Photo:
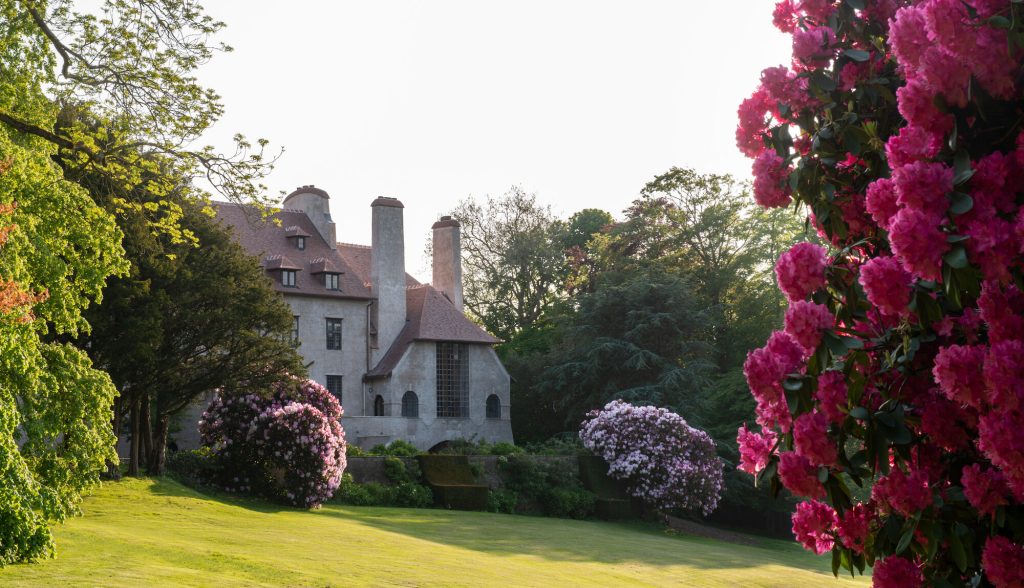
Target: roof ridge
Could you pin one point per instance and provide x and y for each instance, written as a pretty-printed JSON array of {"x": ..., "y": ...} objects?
[{"x": 354, "y": 245}]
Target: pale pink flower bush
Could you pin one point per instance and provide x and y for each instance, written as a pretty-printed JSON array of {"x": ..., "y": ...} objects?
[
  {"x": 287, "y": 445},
  {"x": 664, "y": 461},
  {"x": 897, "y": 127}
]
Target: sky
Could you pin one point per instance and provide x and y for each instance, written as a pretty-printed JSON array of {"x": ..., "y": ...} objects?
[{"x": 433, "y": 101}]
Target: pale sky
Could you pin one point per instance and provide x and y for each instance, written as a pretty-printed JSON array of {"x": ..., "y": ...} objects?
[{"x": 430, "y": 101}]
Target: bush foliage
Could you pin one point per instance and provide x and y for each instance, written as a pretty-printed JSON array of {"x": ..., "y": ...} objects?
[{"x": 900, "y": 367}]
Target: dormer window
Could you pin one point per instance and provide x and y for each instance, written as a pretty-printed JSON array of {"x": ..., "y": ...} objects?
[
  {"x": 288, "y": 278},
  {"x": 300, "y": 243},
  {"x": 331, "y": 281}
]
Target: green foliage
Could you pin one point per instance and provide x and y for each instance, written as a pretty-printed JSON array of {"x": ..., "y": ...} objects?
[
  {"x": 397, "y": 448},
  {"x": 195, "y": 467},
  {"x": 503, "y": 501},
  {"x": 404, "y": 494},
  {"x": 468, "y": 447},
  {"x": 564, "y": 444},
  {"x": 513, "y": 261},
  {"x": 642, "y": 338},
  {"x": 400, "y": 471},
  {"x": 59, "y": 250},
  {"x": 548, "y": 486}
]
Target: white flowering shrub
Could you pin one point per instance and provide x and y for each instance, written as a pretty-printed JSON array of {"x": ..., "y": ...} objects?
[
  {"x": 288, "y": 446},
  {"x": 664, "y": 461}
]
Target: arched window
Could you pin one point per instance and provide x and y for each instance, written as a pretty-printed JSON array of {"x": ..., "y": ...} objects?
[
  {"x": 493, "y": 407},
  {"x": 410, "y": 405},
  {"x": 378, "y": 406}
]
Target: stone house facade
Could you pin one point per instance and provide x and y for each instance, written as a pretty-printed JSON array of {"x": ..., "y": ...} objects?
[{"x": 401, "y": 356}]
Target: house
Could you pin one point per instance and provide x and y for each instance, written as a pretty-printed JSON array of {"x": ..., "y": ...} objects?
[{"x": 402, "y": 356}]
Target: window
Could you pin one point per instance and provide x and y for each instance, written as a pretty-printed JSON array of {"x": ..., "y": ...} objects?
[
  {"x": 334, "y": 333},
  {"x": 288, "y": 278},
  {"x": 334, "y": 386},
  {"x": 378, "y": 406},
  {"x": 493, "y": 407},
  {"x": 410, "y": 405},
  {"x": 331, "y": 281},
  {"x": 452, "y": 381},
  {"x": 300, "y": 243},
  {"x": 295, "y": 332}
]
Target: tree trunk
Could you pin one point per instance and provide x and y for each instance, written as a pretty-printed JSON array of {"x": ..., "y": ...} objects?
[
  {"x": 159, "y": 455},
  {"x": 146, "y": 430},
  {"x": 133, "y": 463},
  {"x": 113, "y": 466}
]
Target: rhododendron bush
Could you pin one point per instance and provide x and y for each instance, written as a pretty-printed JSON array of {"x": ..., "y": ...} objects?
[
  {"x": 664, "y": 461},
  {"x": 897, "y": 127},
  {"x": 287, "y": 445}
]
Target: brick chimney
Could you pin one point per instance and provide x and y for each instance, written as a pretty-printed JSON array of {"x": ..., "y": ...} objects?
[
  {"x": 447, "y": 261},
  {"x": 387, "y": 272},
  {"x": 317, "y": 205}
]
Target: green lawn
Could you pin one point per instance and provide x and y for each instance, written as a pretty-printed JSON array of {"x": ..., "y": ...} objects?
[{"x": 157, "y": 532}]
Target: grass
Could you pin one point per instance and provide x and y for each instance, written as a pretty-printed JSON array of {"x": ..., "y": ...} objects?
[{"x": 159, "y": 533}]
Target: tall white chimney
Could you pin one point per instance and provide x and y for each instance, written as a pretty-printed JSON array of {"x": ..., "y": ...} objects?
[
  {"x": 447, "y": 261},
  {"x": 317, "y": 205},
  {"x": 387, "y": 272}
]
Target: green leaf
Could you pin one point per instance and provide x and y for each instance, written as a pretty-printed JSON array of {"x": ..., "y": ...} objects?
[
  {"x": 999, "y": 22},
  {"x": 858, "y": 4},
  {"x": 956, "y": 258},
  {"x": 956, "y": 550},
  {"x": 959, "y": 203},
  {"x": 857, "y": 54},
  {"x": 905, "y": 539},
  {"x": 956, "y": 239},
  {"x": 836, "y": 559},
  {"x": 860, "y": 413}
]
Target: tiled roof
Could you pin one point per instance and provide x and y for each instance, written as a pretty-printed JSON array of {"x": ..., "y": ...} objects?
[
  {"x": 268, "y": 241},
  {"x": 358, "y": 258},
  {"x": 431, "y": 317},
  {"x": 295, "y": 231},
  {"x": 323, "y": 265}
]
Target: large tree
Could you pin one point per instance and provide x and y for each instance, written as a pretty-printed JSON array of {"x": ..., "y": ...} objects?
[
  {"x": 132, "y": 70},
  {"x": 188, "y": 319},
  {"x": 513, "y": 259}
]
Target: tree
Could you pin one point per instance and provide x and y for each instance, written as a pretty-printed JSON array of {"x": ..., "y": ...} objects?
[
  {"x": 641, "y": 338},
  {"x": 899, "y": 369},
  {"x": 56, "y": 251},
  {"x": 513, "y": 261},
  {"x": 188, "y": 319}
]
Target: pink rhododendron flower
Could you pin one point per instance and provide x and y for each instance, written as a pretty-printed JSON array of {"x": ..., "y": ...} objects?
[
  {"x": 755, "y": 449},
  {"x": 811, "y": 440},
  {"x": 832, "y": 395},
  {"x": 923, "y": 186},
  {"x": 902, "y": 493},
  {"x": 771, "y": 188},
  {"x": 912, "y": 144},
  {"x": 1004, "y": 374},
  {"x": 1001, "y": 439},
  {"x": 801, "y": 270},
  {"x": 1001, "y": 309},
  {"x": 918, "y": 243},
  {"x": 813, "y": 46},
  {"x": 896, "y": 572},
  {"x": 880, "y": 201},
  {"x": 939, "y": 422},
  {"x": 854, "y": 527},
  {"x": 908, "y": 36},
  {"x": 752, "y": 126},
  {"x": 1003, "y": 562},
  {"x": 915, "y": 104},
  {"x": 799, "y": 476},
  {"x": 887, "y": 285},
  {"x": 784, "y": 16},
  {"x": 985, "y": 489},
  {"x": 958, "y": 372},
  {"x": 805, "y": 321},
  {"x": 813, "y": 523}
]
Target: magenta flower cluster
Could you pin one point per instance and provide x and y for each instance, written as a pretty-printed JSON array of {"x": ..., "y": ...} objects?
[
  {"x": 898, "y": 125},
  {"x": 664, "y": 461},
  {"x": 287, "y": 445}
]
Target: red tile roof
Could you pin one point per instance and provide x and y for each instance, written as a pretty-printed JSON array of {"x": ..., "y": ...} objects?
[
  {"x": 432, "y": 317},
  {"x": 269, "y": 242}
]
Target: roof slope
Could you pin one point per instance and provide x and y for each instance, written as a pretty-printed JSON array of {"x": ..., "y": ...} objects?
[
  {"x": 270, "y": 242},
  {"x": 431, "y": 317},
  {"x": 358, "y": 258}
]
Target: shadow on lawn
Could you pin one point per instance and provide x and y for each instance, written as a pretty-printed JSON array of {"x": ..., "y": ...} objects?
[{"x": 550, "y": 539}]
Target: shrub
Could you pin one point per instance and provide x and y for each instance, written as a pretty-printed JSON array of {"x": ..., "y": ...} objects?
[
  {"x": 287, "y": 445},
  {"x": 405, "y": 494},
  {"x": 664, "y": 461},
  {"x": 396, "y": 448},
  {"x": 568, "y": 503},
  {"x": 900, "y": 365},
  {"x": 551, "y": 487},
  {"x": 196, "y": 467},
  {"x": 399, "y": 471},
  {"x": 503, "y": 501}
]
